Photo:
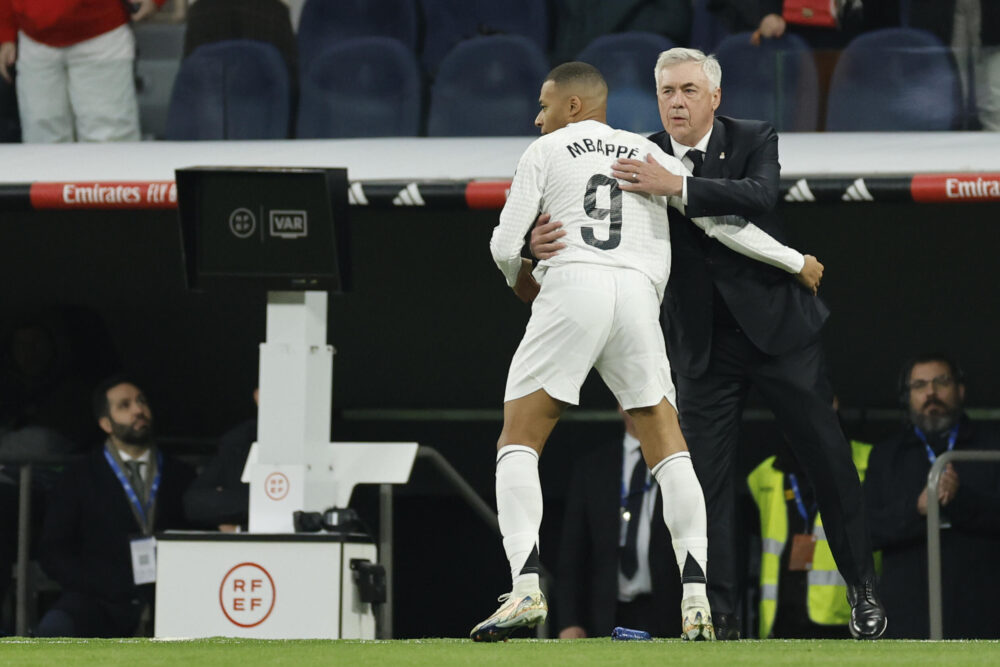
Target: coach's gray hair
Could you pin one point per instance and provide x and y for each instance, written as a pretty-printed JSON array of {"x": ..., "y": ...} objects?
[{"x": 709, "y": 65}]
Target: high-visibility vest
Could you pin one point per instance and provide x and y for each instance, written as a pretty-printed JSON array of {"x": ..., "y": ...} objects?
[{"x": 827, "y": 592}]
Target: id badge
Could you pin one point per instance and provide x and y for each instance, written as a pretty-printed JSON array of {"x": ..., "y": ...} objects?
[
  {"x": 143, "y": 560},
  {"x": 801, "y": 558}
]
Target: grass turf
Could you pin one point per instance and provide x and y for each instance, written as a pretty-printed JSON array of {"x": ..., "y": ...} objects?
[{"x": 244, "y": 652}]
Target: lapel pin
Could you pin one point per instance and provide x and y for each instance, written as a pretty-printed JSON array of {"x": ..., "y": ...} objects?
[{"x": 722, "y": 155}]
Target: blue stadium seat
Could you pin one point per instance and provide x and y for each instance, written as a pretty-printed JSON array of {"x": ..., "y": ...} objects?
[
  {"x": 896, "y": 79},
  {"x": 775, "y": 81},
  {"x": 448, "y": 22},
  {"x": 707, "y": 30},
  {"x": 325, "y": 22},
  {"x": 364, "y": 87},
  {"x": 488, "y": 86},
  {"x": 627, "y": 61},
  {"x": 634, "y": 109},
  {"x": 235, "y": 89}
]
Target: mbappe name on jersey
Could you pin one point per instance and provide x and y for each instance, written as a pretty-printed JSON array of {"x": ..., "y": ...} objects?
[{"x": 578, "y": 148}]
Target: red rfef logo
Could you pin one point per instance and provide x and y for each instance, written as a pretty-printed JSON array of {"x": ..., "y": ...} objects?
[
  {"x": 247, "y": 595},
  {"x": 276, "y": 486}
]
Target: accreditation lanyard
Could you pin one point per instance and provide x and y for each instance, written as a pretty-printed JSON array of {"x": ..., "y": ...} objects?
[
  {"x": 931, "y": 456},
  {"x": 142, "y": 511},
  {"x": 796, "y": 491}
]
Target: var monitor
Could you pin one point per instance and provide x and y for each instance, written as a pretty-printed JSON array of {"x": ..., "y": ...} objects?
[{"x": 276, "y": 228}]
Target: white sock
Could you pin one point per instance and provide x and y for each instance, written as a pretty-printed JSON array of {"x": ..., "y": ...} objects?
[
  {"x": 684, "y": 514},
  {"x": 519, "y": 510}
]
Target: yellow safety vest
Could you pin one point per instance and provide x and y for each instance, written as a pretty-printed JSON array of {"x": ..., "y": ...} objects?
[{"x": 827, "y": 592}]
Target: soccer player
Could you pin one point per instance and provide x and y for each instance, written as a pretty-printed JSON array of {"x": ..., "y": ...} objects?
[{"x": 598, "y": 306}]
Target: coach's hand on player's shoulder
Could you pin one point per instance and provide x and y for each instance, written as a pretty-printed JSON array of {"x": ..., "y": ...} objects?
[
  {"x": 811, "y": 274},
  {"x": 526, "y": 288},
  {"x": 545, "y": 237},
  {"x": 573, "y": 632},
  {"x": 648, "y": 176}
]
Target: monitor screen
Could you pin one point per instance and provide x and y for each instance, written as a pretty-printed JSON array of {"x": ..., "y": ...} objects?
[{"x": 279, "y": 228}]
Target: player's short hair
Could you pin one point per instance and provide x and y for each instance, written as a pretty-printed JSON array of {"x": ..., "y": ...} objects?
[
  {"x": 709, "y": 64},
  {"x": 577, "y": 72}
]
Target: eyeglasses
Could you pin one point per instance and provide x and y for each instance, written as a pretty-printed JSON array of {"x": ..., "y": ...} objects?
[{"x": 940, "y": 382}]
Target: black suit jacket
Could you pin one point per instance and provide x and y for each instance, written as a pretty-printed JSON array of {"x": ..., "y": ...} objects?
[
  {"x": 89, "y": 523},
  {"x": 587, "y": 578},
  {"x": 740, "y": 176}
]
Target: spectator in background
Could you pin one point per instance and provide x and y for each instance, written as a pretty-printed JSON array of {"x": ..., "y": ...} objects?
[
  {"x": 802, "y": 596},
  {"x": 770, "y": 19},
  {"x": 75, "y": 67},
  {"x": 100, "y": 517},
  {"x": 972, "y": 28},
  {"x": 47, "y": 357},
  {"x": 616, "y": 564},
  {"x": 219, "y": 498},
  {"x": 579, "y": 22},
  {"x": 932, "y": 390}
]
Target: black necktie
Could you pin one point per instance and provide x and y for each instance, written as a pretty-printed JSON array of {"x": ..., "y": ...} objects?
[
  {"x": 697, "y": 158},
  {"x": 633, "y": 505},
  {"x": 136, "y": 480}
]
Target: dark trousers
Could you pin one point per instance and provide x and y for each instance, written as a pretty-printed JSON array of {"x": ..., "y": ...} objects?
[
  {"x": 80, "y": 615},
  {"x": 795, "y": 386}
]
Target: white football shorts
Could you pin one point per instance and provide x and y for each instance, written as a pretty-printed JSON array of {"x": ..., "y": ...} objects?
[{"x": 589, "y": 316}]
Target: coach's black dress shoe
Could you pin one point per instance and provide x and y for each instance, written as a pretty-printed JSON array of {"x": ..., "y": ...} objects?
[
  {"x": 867, "y": 613},
  {"x": 727, "y": 627}
]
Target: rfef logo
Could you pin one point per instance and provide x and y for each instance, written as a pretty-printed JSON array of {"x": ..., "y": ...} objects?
[
  {"x": 276, "y": 486},
  {"x": 289, "y": 224},
  {"x": 247, "y": 595}
]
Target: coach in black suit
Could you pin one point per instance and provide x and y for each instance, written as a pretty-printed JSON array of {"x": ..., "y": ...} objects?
[
  {"x": 732, "y": 323},
  {"x": 93, "y": 517},
  {"x": 593, "y": 594}
]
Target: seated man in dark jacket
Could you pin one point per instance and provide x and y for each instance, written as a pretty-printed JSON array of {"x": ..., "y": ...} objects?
[
  {"x": 96, "y": 538},
  {"x": 933, "y": 391}
]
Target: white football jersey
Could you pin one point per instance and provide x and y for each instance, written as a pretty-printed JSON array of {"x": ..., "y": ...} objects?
[{"x": 567, "y": 173}]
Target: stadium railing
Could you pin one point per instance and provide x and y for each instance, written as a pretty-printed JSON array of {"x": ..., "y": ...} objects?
[
  {"x": 934, "y": 531},
  {"x": 468, "y": 494}
]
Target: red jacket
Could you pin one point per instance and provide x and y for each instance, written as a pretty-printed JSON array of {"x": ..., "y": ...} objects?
[{"x": 61, "y": 22}]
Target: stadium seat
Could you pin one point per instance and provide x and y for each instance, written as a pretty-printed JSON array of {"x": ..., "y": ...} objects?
[
  {"x": 325, "y": 22},
  {"x": 775, "y": 81},
  {"x": 488, "y": 86},
  {"x": 706, "y": 29},
  {"x": 448, "y": 22},
  {"x": 159, "y": 49},
  {"x": 236, "y": 89},
  {"x": 895, "y": 79},
  {"x": 627, "y": 61},
  {"x": 364, "y": 87}
]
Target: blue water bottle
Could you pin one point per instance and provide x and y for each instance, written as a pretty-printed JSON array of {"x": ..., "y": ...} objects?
[{"x": 630, "y": 635}]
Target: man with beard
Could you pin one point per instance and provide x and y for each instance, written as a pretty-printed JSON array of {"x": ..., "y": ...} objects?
[
  {"x": 932, "y": 390},
  {"x": 96, "y": 540}
]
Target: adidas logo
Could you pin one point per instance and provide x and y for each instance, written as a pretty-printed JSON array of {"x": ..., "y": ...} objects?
[
  {"x": 800, "y": 192},
  {"x": 408, "y": 196},
  {"x": 858, "y": 191}
]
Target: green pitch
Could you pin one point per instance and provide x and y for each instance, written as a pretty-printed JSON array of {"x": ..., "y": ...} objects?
[{"x": 245, "y": 652}]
